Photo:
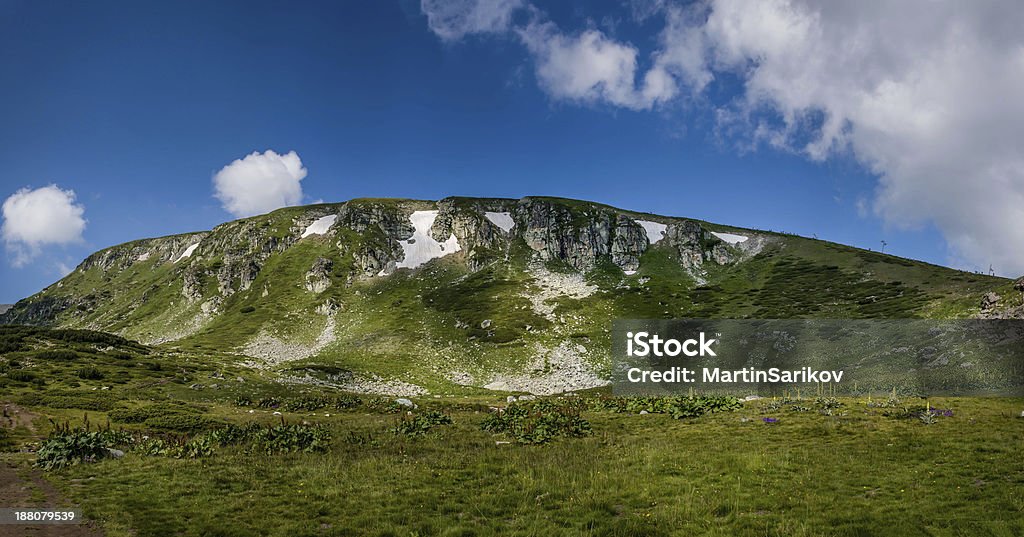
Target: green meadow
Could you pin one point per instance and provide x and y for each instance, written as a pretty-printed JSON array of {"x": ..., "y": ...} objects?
[{"x": 210, "y": 449}]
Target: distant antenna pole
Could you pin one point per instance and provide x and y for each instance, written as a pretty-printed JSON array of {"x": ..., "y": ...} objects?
[
  {"x": 884, "y": 244},
  {"x": 991, "y": 271}
]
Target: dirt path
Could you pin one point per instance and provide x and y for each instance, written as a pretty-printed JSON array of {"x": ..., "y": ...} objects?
[{"x": 24, "y": 486}]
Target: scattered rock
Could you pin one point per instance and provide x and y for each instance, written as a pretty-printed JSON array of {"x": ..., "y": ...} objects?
[
  {"x": 989, "y": 301},
  {"x": 644, "y": 412},
  {"x": 405, "y": 402},
  {"x": 115, "y": 453}
]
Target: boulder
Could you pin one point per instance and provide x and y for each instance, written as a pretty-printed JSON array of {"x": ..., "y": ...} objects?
[{"x": 405, "y": 402}]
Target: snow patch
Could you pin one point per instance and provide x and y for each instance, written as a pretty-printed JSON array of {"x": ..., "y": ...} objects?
[
  {"x": 502, "y": 220},
  {"x": 188, "y": 252},
  {"x": 655, "y": 231},
  {"x": 422, "y": 247},
  {"x": 629, "y": 272},
  {"x": 320, "y": 226},
  {"x": 730, "y": 238}
]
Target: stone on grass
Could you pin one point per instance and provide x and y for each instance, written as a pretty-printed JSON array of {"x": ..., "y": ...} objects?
[{"x": 405, "y": 402}]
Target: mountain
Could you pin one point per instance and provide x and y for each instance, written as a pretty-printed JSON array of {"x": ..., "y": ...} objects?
[
  {"x": 407, "y": 296},
  {"x": 5, "y": 307}
]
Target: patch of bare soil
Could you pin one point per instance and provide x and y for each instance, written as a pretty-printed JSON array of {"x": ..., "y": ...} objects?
[{"x": 24, "y": 486}]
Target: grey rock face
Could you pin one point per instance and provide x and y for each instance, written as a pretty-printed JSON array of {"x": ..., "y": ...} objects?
[
  {"x": 629, "y": 241},
  {"x": 580, "y": 237},
  {"x": 687, "y": 239},
  {"x": 192, "y": 284},
  {"x": 382, "y": 227},
  {"x": 40, "y": 311},
  {"x": 318, "y": 279}
]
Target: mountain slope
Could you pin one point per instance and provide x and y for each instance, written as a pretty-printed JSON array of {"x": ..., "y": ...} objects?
[{"x": 403, "y": 295}]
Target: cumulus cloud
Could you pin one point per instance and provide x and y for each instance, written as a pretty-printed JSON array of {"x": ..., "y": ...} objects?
[
  {"x": 925, "y": 94},
  {"x": 37, "y": 218},
  {"x": 452, "y": 20},
  {"x": 260, "y": 183},
  {"x": 591, "y": 68}
]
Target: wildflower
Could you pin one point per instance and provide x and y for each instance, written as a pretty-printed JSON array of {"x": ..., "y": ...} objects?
[{"x": 771, "y": 420}]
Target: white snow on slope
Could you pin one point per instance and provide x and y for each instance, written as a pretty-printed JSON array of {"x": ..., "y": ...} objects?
[
  {"x": 188, "y": 252},
  {"x": 320, "y": 226},
  {"x": 502, "y": 220},
  {"x": 422, "y": 247},
  {"x": 730, "y": 238},
  {"x": 655, "y": 231}
]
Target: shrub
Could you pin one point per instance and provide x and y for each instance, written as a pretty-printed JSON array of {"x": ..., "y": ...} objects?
[
  {"x": 66, "y": 446},
  {"x": 420, "y": 424},
  {"x": 71, "y": 447},
  {"x": 90, "y": 373},
  {"x": 269, "y": 402},
  {"x": 243, "y": 400},
  {"x": 291, "y": 438},
  {"x": 21, "y": 375},
  {"x": 6, "y": 442},
  {"x": 247, "y": 309},
  {"x": 59, "y": 355},
  {"x": 677, "y": 406},
  {"x": 539, "y": 424},
  {"x": 308, "y": 403}
]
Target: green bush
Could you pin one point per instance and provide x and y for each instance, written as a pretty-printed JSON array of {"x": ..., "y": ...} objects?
[
  {"x": 291, "y": 438},
  {"x": 90, "y": 373},
  {"x": 420, "y": 424},
  {"x": 66, "y": 446},
  {"x": 21, "y": 375},
  {"x": 247, "y": 309},
  {"x": 6, "y": 442},
  {"x": 677, "y": 406},
  {"x": 59, "y": 355},
  {"x": 539, "y": 423}
]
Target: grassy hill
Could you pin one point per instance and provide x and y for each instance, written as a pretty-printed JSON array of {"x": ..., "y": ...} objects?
[{"x": 511, "y": 308}]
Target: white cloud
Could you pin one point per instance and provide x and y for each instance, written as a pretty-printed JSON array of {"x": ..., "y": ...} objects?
[
  {"x": 260, "y": 183},
  {"x": 925, "y": 94},
  {"x": 591, "y": 68},
  {"x": 40, "y": 217},
  {"x": 588, "y": 67},
  {"x": 452, "y": 20}
]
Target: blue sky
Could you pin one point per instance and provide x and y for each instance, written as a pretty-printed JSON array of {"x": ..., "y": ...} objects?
[{"x": 135, "y": 106}]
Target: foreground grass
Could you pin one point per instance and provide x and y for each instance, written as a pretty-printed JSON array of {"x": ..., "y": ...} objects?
[{"x": 861, "y": 473}]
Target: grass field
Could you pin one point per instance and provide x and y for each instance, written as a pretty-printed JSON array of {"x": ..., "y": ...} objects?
[
  {"x": 772, "y": 467},
  {"x": 215, "y": 449}
]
